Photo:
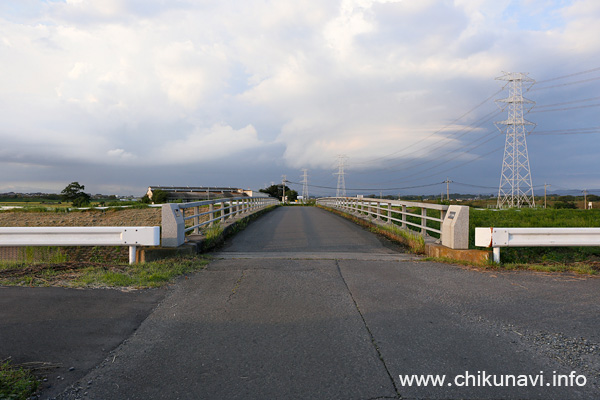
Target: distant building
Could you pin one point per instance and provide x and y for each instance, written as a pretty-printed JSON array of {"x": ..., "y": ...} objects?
[{"x": 188, "y": 194}]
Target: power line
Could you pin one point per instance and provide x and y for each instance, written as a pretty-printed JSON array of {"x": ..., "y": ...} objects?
[
  {"x": 535, "y": 89},
  {"x": 566, "y": 108},
  {"x": 573, "y": 131},
  {"x": 488, "y": 117},
  {"x": 366, "y": 189},
  {"x": 570, "y": 75},
  {"x": 537, "y": 106},
  {"x": 435, "y": 132}
]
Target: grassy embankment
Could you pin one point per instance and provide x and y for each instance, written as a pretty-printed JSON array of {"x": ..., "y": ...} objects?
[
  {"x": 91, "y": 274},
  {"x": 576, "y": 259}
]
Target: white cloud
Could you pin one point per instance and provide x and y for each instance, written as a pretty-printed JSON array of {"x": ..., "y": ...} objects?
[
  {"x": 120, "y": 154},
  {"x": 206, "y": 145},
  {"x": 129, "y": 81}
]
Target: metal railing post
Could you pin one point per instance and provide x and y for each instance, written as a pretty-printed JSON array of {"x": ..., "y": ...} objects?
[
  {"x": 197, "y": 220},
  {"x": 389, "y": 213},
  {"x": 404, "y": 216},
  {"x": 423, "y": 221},
  {"x": 211, "y": 210}
]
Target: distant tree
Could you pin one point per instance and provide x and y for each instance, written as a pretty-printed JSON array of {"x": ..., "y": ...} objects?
[
  {"x": 564, "y": 204},
  {"x": 275, "y": 191},
  {"x": 74, "y": 192},
  {"x": 146, "y": 199},
  {"x": 159, "y": 196}
]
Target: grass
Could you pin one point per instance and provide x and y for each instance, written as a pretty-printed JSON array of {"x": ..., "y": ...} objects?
[
  {"x": 577, "y": 268},
  {"x": 414, "y": 241},
  {"x": 525, "y": 218},
  {"x": 139, "y": 276},
  {"x": 16, "y": 383}
]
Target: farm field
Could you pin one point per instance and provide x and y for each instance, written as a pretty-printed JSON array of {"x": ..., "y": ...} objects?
[
  {"x": 110, "y": 217},
  {"x": 526, "y": 218}
]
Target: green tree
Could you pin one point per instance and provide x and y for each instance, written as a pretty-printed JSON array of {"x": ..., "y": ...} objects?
[
  {"x": 159, "y": 196},
  {"x": 74, "y": 192},
  {"x": 275, "y": 191}
]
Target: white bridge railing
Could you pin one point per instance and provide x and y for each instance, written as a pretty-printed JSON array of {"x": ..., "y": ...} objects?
[
  {"x": 131, "y": 236},
  {"x": 175, "y": 215},
  {"x": 453, "y": 221},
  {"x": 535, "y": 237}
]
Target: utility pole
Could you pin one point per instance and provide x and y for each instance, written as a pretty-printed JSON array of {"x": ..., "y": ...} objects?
[
  {"x": 304, "y": 185},
  {"x": 284, "y": 179},
  {"x": 516, "y": 189},
  {"x": 448, "y": 182},
  {"x": 585, "y": 199},
  {"x": 545, "y": 185},
  {"x": 341, "y": 183}
]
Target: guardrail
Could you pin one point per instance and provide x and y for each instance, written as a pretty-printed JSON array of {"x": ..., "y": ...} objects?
[
  {"x": 535, "y": 237},
  {"x": 175, "y": 215},
  {"x": 131, "y": 236},
  {"x": 453, "y": 220}
]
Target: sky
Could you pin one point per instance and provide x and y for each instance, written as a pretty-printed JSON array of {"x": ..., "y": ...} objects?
[{"x": 119, "y": 95}]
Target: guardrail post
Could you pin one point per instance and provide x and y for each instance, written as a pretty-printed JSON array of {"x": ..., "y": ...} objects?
[
  {"x": 404, "y": 216},
  {"x": 173, "y": 225},
  {"x": 211, "y": 210},
  {"x": 455, "y": 228},
  {"x": 423, "y": 221},
  {"x": 496, "y": 254},
  {"x": 389, "y": 213},
  {"x": 378, "y": 210},
  {"x": 132, "y": 254}
]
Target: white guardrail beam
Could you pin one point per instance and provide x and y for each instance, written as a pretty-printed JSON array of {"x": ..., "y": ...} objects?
[
  {"x": 131, "y": 236},
  {"x": 535, "y": 237}
]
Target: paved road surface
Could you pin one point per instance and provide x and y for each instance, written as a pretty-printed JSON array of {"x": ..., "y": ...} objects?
[
  {"x": 305, "y": 305},
  {"x": 70, "y": 331}
]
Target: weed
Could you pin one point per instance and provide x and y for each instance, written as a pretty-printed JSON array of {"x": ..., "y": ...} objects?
[
  {"x": 214, "y": 231},
  {"x": 525, "y": 218},
  {"x": 151, "y": 274},
  {"x": 16, "y": 383}
]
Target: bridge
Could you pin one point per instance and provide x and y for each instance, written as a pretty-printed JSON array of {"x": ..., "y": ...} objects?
[{"x": 304, "y": 304}]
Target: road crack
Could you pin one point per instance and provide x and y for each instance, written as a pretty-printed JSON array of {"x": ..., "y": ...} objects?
[
  {"x": 371, "y": 336},
  {"x": 237, "y": 285}
]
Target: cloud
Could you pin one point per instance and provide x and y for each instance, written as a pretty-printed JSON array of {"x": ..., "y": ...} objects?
[
  {"x": 204, "y": 146},
  {"x": 171, "y": 83}
]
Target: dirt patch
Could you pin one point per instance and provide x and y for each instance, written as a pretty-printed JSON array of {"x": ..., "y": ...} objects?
[{"x": 110, "y": 217}]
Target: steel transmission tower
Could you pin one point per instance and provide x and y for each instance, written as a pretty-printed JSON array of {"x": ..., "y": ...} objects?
[
  {"x": 341, "y": 184},
  {"x": 516, "y": 189},
  {"x": 304, "y": 185}
]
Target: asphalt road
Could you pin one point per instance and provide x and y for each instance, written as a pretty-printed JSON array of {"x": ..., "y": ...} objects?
[
  {"x": 305, "y": 305},
  {"x": 68, "y": 332}
]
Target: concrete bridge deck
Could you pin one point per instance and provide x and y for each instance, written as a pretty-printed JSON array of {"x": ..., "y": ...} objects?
[{"x": 305, "y": 305}]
